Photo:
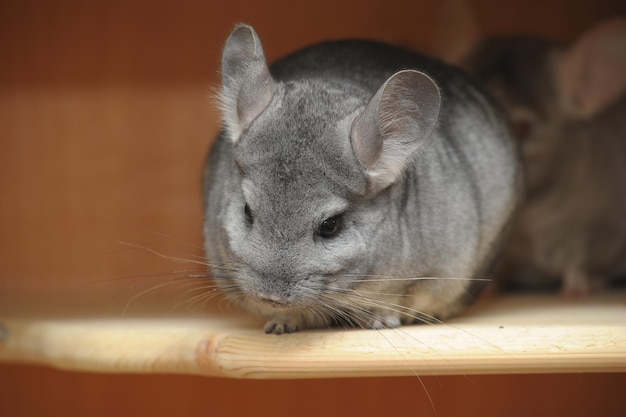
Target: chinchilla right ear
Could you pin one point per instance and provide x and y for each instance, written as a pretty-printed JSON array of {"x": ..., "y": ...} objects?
[
  {"x": 247, "y": 86},
  {"x": 394, "y": 125},
  {"x": 591, "y": 73}
]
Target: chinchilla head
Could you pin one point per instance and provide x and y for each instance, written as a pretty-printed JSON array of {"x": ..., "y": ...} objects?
[{"x": 310, "y": 176}]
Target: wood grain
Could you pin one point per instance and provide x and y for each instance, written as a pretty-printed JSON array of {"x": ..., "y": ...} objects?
[{"x": 516, "y": 334}]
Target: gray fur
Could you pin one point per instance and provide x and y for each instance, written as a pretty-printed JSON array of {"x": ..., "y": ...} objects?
[
  {"x": 570, "y": 229},
  {"x": 424, "y": 200}
]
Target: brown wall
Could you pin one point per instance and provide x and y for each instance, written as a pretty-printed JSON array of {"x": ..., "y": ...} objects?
[
  {"x": 104, "y": 123},
  {"x": 34, "y": 392}
]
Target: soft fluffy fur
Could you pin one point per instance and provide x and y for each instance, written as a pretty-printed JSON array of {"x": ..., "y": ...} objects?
[{"x": 422, "y": 204}]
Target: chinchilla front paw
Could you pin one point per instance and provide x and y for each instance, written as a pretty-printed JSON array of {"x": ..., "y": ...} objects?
[{"x": 280, "y": 326}]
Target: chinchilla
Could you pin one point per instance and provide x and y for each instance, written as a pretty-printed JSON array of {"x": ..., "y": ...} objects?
[
  {"x": 568, "y": 106},
  {"x": 354, "y": 183}
]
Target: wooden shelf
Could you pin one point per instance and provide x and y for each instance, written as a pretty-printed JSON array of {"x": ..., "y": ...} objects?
[{"x": 510, "y": 334}]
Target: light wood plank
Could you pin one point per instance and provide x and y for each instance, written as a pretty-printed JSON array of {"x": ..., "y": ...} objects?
[{"x": 514, "y": 334}]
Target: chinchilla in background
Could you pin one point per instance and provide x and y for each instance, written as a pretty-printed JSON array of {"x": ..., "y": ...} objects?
[
  {"x": 568, "y": 105},
  {"x": 353, "y": 183}
]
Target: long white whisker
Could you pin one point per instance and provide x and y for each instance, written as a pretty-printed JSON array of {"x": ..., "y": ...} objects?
[
  {"x": 168, "y": 257},
  {"x": 430, "y": 400},
  {"x": 206, "y": 295},
  {"x": 182, "y": 273},
  {"x": 147, "y": 291},
  {"x": 396, "y": 308},
  {"x": 165, "y": 235},
  {"x": 358, "y": 314},
  {"x": 354, "y": 315},
  {"x": 380, "y": 278},
  {"x": 417, "y": 315}
]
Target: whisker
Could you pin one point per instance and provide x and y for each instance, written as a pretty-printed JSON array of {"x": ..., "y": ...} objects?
[
  {"x": 207, "y": 293},
  {"x": 383, "y": 293},
  {"x": 430, "y": 400},
  {"x": 365, "y": 314},
  {"x": 349, "y": 316},
  {"x": 181, "y": 273},
  {"x": 147, "y": 291},
  {"x": 380, "y": 278},
  {"x": 419, "y": 315},
  {"x": 168, "y": 257},
  {"x": 356, "y": 312},
  {"x": 167, "y": 236},
  {"x": 363, "y": 317},
  {"x": 396, "y": 308}
]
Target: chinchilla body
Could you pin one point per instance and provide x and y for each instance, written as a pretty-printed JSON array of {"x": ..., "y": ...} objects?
[
  {"x": 568, "y": 103},
  {"x": 354, "y": 183}
]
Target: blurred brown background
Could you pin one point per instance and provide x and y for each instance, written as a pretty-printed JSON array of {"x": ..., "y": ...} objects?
[{"x": 104, "y": 125}]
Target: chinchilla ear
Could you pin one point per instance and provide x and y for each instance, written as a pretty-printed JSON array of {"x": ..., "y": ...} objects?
[
  {"x": 591, "y": 74},
  {"x": 394, "y": 125},
  {"x": 247, "y": 85}
]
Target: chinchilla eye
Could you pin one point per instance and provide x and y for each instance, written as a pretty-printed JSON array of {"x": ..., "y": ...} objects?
[
  {"x": 248, "y": 213},
  {"x": 524, "y": 123},
  {"x": 330, "y": 227},
  {"x": 523, "y": 128}
]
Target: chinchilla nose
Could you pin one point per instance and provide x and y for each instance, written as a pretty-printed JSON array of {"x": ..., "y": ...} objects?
[{"x": 273, "y": 299}]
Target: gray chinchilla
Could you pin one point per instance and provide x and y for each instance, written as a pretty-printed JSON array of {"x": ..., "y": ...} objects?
[
  {"x": 569, "y": 108},
  {"x": 353, "y": 183}
]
